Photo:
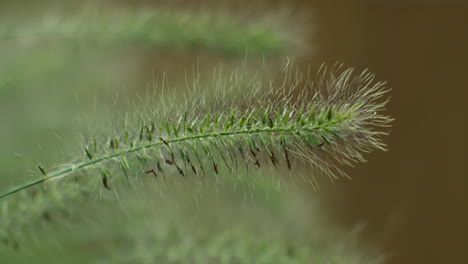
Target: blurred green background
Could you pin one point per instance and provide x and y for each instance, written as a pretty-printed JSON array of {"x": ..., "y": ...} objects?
[{"x": 412, "y": 198}]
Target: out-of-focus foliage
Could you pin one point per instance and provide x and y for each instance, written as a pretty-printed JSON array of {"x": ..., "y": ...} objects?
[
  {"x": 159, "y": 28},
  {"x": 247, "y": 220}
]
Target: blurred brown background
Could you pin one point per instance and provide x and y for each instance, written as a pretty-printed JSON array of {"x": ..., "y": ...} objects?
[{"x": 414, "y": 197}]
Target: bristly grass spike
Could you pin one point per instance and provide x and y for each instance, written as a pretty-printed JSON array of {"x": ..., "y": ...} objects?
[{"x": 323, "y": 123}]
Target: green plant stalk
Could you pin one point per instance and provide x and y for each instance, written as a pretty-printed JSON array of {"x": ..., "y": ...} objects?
[{"x": 291, "y": 130}]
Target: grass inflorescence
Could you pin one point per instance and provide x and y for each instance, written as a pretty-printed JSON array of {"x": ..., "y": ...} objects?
[
  {"x": 235, "y": 123},
  {"x": 244, "y": 123}
]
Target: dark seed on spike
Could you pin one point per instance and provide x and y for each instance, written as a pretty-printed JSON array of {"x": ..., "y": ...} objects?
[
  {"x": 257, "y": 163},
  {"x": 104, "y": 182},
  {"x": 172, "y": 160},
  {"x": 164, "y": 141},
  {"x": 191, "y": 165},
  {"x": 42, "y": 170},
  {"x": 286, "y": 156},
  {"x": 179, "y": 170},
  {"x": 325, "y": 140},
  {"x": 274, "y": 160},
  {"x": 153, "y": 172},
  {"x": 215, "y": 167},
  {"x": 193, "y": 169}
]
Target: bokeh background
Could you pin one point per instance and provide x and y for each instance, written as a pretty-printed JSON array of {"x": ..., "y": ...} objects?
[{"x": 413, "y": 198}]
